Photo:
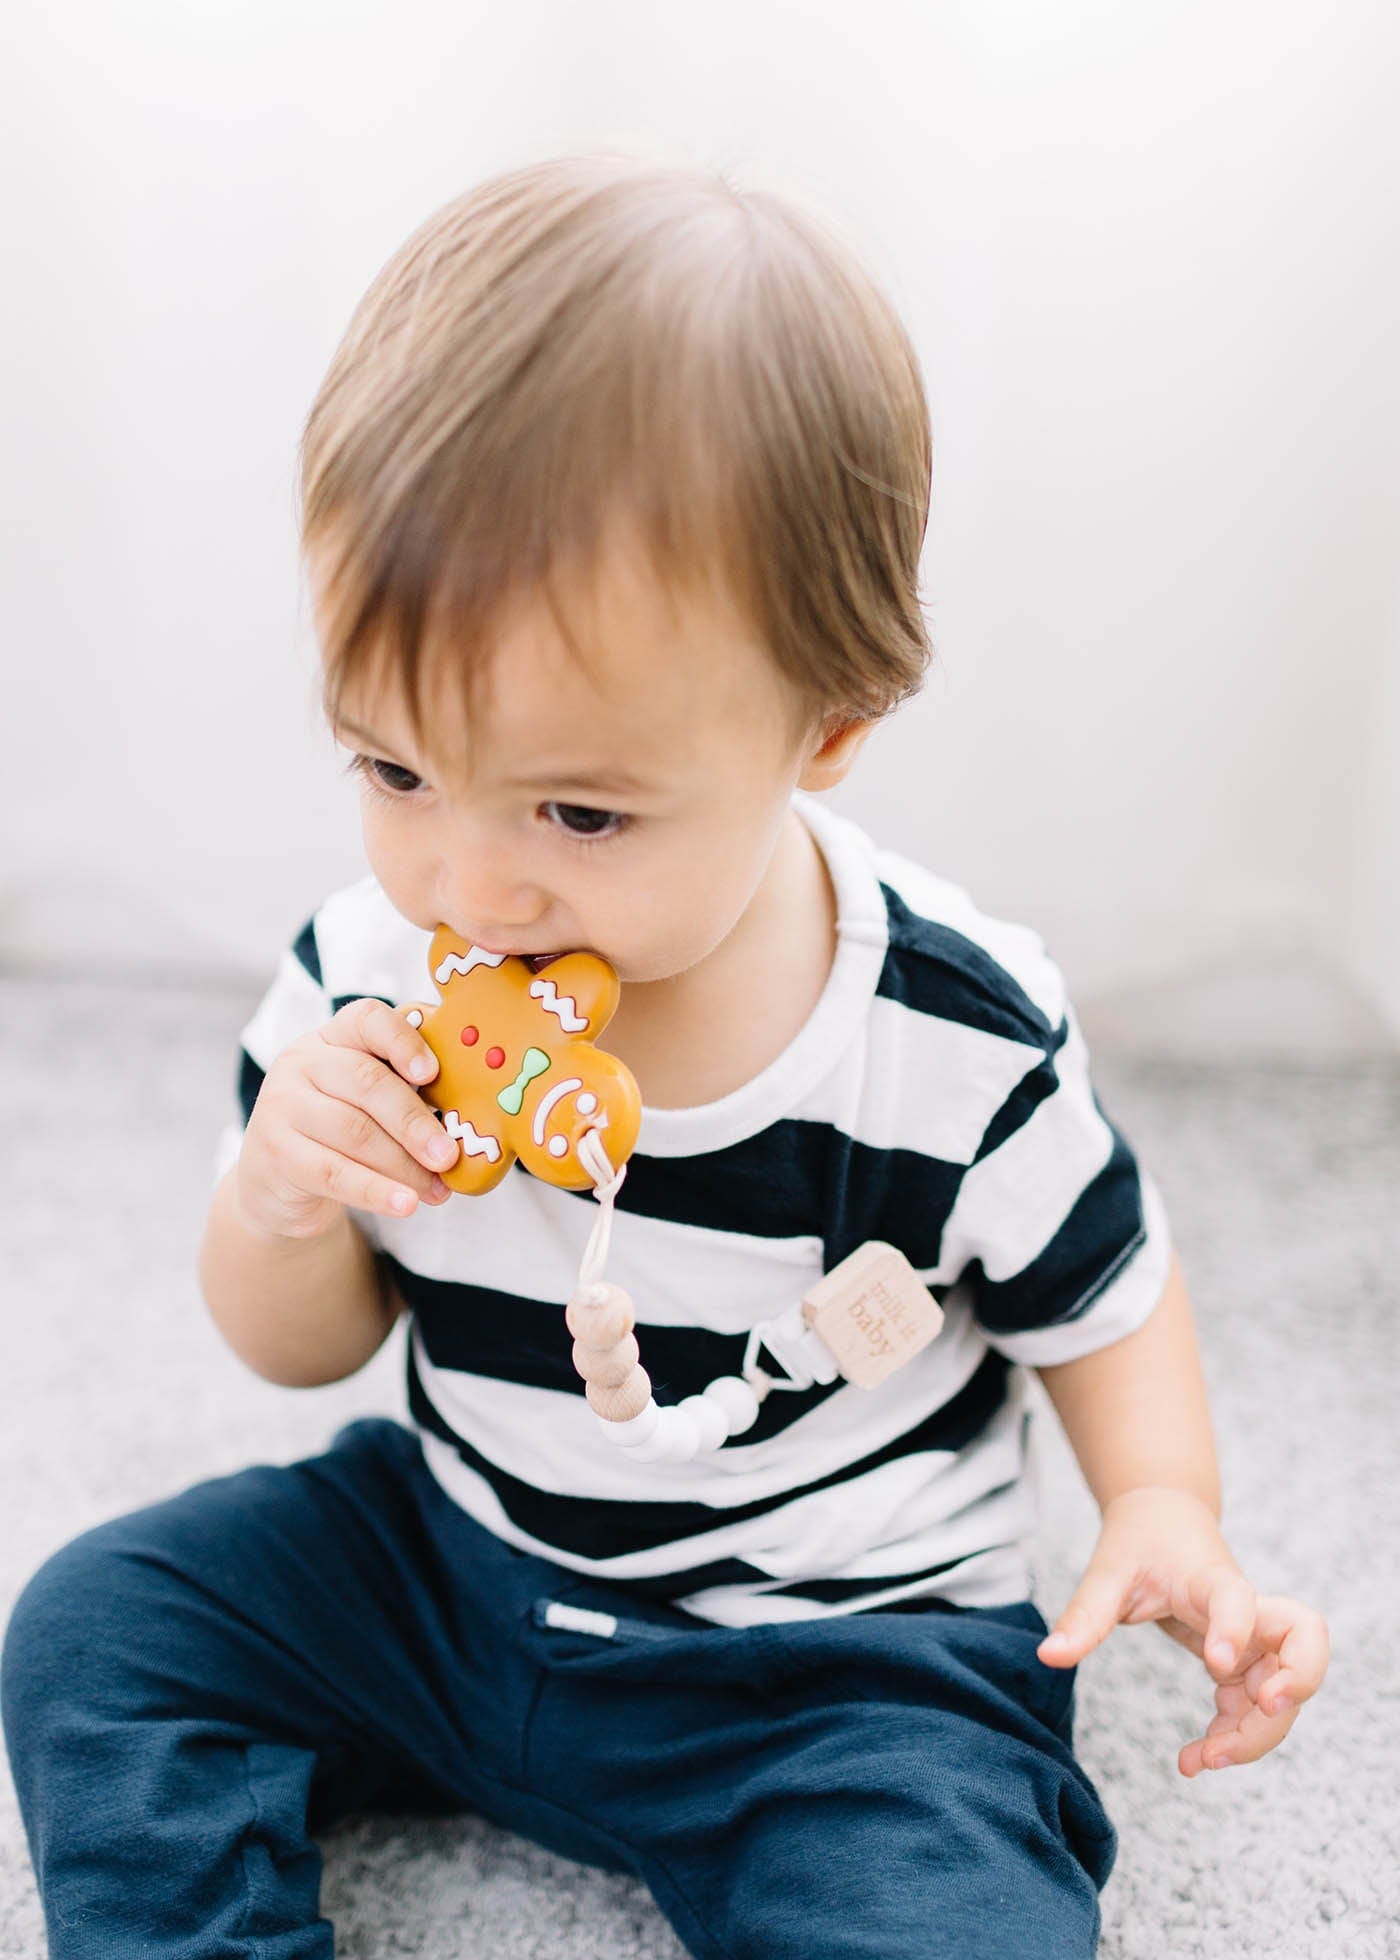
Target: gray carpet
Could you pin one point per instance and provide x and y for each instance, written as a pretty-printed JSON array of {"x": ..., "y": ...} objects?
[{"x": 1284, "y": 1188}]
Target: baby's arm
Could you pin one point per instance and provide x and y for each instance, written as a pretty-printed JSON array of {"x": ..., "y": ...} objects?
[
  {"x": 298, "y": 1311},
  {"x": 288, "y": 1276},
  {"x": 1136, "y": 1411},
  {"x": 1136, "y": 1415}
]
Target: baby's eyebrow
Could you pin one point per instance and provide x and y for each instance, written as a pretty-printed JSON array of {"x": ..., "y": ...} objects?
[
  {"x": 342, "y": 724},
  {"x": 598, "y": 780}
]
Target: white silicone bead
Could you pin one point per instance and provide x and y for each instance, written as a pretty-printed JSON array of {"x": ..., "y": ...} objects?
[
  {"x": 682, "y": 1436},
  {"x": 676, "y": 1440},
  {"x": 709, "y": 1419},
  {"x": 732, "y": 1394},
  {"x": 654, "y": 1450},
  {"x": 637, "y": 1429}
]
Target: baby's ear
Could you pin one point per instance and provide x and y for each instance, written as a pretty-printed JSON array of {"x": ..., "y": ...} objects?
[{"x": 835, "y": 748}]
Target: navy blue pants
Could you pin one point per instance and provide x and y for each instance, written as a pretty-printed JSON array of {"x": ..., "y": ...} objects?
[{"x": 192, "y": 1691}]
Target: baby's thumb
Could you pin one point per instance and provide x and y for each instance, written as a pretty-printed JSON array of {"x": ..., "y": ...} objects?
[{"x": 1092, "y": 1614}]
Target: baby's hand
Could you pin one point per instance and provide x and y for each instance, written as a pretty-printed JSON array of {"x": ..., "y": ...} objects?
[
  {"x": 1160, "y": 1556},
  {"x": 337, "y": 1124}
]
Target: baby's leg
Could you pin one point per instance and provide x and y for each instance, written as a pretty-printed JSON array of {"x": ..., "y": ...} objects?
[
  {"x": 884, "y": 1786},
  {"x": 190, "y": 1690}
]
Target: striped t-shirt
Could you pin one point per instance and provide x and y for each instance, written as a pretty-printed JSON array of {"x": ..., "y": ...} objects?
[{"x": 939, "y": 1098}]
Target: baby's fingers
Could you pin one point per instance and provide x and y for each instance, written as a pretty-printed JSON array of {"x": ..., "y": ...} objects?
[
  {"x": 1254, "y": 1715},
  {"x": 358, "y": 1102},
  {"x": 315, "y": 1167},
  {"x": 1298, "y": 1634},
  {"x": 377, "y": 1029},
  {"x": 1223, "y": 1598},
  {"x": 1192, "y": 1757},
  {"x": 1231, "y": 1740},
  {"x": 394, "y": 1142}
]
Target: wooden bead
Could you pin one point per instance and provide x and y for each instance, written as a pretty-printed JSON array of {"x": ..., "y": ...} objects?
[
  {"x": 603, "y": 1325},
  {"x": 619, "y": 1404},
  {"x": 609, "y": 1367}
]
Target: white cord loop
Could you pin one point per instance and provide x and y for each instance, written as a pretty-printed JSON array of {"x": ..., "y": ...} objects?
[{"x": 607, "y": 1182}]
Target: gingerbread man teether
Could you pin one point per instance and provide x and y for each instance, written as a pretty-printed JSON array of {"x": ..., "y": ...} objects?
[{"x": 518, "y": 1074}]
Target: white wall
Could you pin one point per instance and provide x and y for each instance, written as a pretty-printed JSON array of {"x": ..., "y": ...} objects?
[
  {"x": 1149, "y": 257},
  {"x": 1375, "y": 896}
]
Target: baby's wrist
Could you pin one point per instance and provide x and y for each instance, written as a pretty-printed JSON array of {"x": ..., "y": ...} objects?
[
  {"x": 1156, "y": 1494},
  {"x": 248, "y": 1215}
]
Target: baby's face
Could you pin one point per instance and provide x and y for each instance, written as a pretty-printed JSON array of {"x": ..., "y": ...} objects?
[{"x": 627, "y": 803}]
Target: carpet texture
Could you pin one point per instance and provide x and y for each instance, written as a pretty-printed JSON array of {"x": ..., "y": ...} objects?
[{"x": 1284, "y": 1192}]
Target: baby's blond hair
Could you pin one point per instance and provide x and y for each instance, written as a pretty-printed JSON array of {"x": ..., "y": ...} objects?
[{"x": 594, "y": 335}]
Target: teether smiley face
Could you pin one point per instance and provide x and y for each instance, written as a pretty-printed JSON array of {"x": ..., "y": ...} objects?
[{"x": 518, "y": 1074}]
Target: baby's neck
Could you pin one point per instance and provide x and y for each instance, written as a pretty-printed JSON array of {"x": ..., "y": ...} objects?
[{"x": 704, "y": 1033}]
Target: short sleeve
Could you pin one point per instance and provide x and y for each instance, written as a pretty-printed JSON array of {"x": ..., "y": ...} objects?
[
  {"x": 1059, "y": 1236},
  {"x": 296, "y": 1002}
]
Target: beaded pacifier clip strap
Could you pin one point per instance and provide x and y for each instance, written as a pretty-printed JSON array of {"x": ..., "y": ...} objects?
[{"x": 519, "y": 1076}]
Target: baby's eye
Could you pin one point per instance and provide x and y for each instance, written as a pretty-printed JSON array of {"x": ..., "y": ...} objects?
[
  {"x": 389, "y": 776},
  {"x": 585, "y": 825}
]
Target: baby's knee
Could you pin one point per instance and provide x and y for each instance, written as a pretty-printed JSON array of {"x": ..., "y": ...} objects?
[{"x": 68, "y": 1630}]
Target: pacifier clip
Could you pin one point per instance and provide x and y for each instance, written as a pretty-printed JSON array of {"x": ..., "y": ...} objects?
[{"x": 863, "y": 1320}]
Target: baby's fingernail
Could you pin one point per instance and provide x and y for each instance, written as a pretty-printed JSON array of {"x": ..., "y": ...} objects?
[
  {"x": 1055, "y": 1643},
  {"x": 1222, "y": 1653},
  {"x": 420, "y": 1068},
  {"x": 1220, "y": 1762}
]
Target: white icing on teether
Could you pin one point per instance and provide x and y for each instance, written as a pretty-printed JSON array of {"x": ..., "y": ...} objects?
[
  {"x": 473, "y": 1143},
  {"x": 563, "y": 1006},
  {"x": 544, "y": 1107},
  {"x": 464, "y": 962}
]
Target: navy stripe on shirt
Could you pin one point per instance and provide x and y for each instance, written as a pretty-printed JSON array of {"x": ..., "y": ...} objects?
[{"x": 606, "y": 1528}]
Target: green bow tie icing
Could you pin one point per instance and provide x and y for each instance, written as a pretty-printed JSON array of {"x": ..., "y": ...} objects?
[{"x": 535, "y": 1063}]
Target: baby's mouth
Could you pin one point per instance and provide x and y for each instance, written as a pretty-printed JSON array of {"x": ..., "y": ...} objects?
[{"x": 536, "y": 960}]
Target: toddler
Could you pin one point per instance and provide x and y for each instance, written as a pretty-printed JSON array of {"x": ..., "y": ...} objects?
[{"x": 612, "y": 506}]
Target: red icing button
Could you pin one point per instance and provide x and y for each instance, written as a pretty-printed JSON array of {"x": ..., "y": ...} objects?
[
  {"x": 470, "y": 1037},
  {"x": 495, "y": 1057}
]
